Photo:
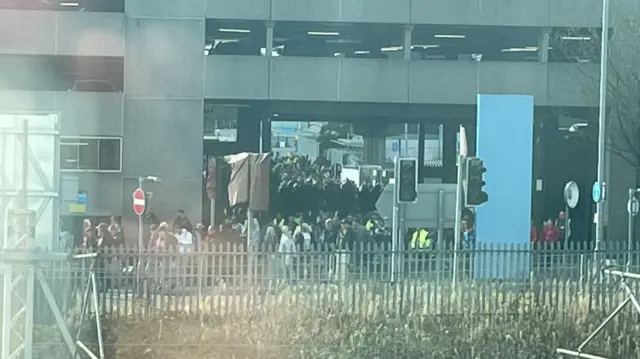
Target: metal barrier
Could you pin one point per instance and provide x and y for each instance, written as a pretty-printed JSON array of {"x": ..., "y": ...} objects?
[
  {"x": 24, "y": 273},
  {"x": 223, "y": 278},
  {"x": 630, "y": 298}
]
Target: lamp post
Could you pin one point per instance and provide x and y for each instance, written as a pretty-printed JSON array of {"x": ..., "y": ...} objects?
[
  {"x": 141, "y": 181},
  {"x": 602, "y": 126}
]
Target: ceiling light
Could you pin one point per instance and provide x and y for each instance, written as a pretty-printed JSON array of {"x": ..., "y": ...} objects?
[
  {"x": 225, "y": 41},
  {"x": 521, "y": 49},
  {"x": 391, "y": 48},
  {"x": 447, "y": 36},
  {"x": 424, "y": 46},
  {"x": 576, "y": 38},
  {"x": 576, "y": 126},
  {"x": 69, "y": 3},
  {"x": 237, "y": 31},
  {"x": 323, "y": 33}
]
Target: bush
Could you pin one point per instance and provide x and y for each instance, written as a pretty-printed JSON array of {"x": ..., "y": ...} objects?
[{"x": 290, "y": 332}]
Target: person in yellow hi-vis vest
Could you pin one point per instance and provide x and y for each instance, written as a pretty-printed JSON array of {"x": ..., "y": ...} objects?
[
  {"x": 420, "y": 242},
  {"x": 369, "y": 225},
  {"x": 420, "y": 239}
]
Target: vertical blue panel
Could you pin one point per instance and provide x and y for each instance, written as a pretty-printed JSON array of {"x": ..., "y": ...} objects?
[{"x": 504, "y": 140}]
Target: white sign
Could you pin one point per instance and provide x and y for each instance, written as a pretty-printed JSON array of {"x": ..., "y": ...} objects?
[
  {"x": 571, "y": 194},
  {"x": 633, "y": 206}
]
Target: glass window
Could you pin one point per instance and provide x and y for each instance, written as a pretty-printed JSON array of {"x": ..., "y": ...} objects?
[
  {"x": 69, "y": 154},
  {"x": 94, "y": 154},
  {"x": 220, "y": 123},
  {"x": 88, "y": 150},
  {"x": 109, "y": 154}
]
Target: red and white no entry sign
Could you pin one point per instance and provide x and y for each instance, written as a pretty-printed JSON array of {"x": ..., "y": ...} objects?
[{"x": 139, "y": 201}]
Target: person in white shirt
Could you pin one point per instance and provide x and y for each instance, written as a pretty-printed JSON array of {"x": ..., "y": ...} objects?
[
  {"x": 185, "y": 240},
  {"x": 287, "y": 249},
  {"x": 254, "y": 229}
]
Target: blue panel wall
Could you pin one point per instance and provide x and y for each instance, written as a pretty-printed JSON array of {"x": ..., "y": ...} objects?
[{"x": 504, "y": 140}]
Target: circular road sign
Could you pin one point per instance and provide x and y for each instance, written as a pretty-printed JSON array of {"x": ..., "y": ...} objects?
[
  {"x": 139, "y": 201},
  {"x": 633, "y": 206},
  {"x": 571, "y": 194},
  {"x": 596, "y": 192}
]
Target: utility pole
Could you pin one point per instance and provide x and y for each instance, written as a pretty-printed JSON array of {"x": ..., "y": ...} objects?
[{"x": 602, "y": 127}]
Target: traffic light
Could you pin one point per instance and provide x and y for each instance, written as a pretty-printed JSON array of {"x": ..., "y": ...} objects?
[
  {"x": 407, "y": 180},
  {"x": 475, "y": 194}
]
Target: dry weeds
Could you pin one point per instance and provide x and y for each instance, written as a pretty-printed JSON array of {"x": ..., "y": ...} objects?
[{"x": 295, "y": 326}]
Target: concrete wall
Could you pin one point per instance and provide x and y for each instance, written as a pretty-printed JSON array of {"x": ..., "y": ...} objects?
[
  {"x": 61, "y": 33},
  {"x": 368, "y": 80},
  {"x": 160, "y": 113},
  {"x": 539, "y": 13},
  {"x": 81, "y": 114},
  {"x": 163, "y": 107}
]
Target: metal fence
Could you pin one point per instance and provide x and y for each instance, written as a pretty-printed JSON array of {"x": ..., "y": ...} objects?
[{"x": 222, "y": 279}]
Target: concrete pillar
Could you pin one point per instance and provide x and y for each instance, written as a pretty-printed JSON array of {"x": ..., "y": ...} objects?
[
  {"x": 408, "y": 30},
  {"x": 249, "y": 129},
  {"x": 266, "y": 135},
  {"x": 163, "y": 106},
  {"x": 374, "y": 149},
  {"x": 421, "y": 139},
  {"x": 269, "y": 40},
  {"x": 449, "y": 151},
  {"x": 543, "y": 45}
]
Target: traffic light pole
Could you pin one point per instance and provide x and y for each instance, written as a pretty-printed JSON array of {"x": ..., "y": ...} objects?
[
  {"x": 458, "y": 218},
  {"x": 395, "y": 220}
]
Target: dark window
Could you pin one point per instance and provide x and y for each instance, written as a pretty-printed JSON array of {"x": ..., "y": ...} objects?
[
  {"x": 109, "y": 155},
  {"x": 61, "y": 73},
  {"x": 90, "y": 154}
]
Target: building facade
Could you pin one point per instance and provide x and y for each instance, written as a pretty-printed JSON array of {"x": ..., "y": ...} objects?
[{"x": 145, "y": 116}]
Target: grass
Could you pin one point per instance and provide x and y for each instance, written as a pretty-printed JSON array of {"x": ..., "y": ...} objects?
[{"x": 474, "y": 321}]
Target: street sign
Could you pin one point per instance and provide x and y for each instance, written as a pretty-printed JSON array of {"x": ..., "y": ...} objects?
[
  {"x": 633, "y": 206},
  {"x": 596, "y": 192},
  {"x": 139, "y": 201},
  {"x": 571, "y": 194}
]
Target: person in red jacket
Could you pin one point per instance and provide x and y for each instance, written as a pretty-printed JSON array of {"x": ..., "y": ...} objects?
[
  {"x": 548, "y": 238},
  {"x": 550, "y": 233}
]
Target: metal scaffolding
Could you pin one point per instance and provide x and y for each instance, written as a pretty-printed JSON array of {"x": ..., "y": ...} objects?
[
  {"x": 631, "y": 298},
  {"x": 22, "y": 263}
]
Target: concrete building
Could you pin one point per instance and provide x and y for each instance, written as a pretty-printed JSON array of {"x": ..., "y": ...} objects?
[{"x": 414, "y": 61}]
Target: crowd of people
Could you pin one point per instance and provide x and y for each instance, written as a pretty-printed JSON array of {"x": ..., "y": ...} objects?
[
  {"x": 311, "y": 211},
  {"x": 308, "y": 203}
]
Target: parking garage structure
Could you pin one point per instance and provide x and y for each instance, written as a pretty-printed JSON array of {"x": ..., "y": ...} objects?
[{"x": 407, "y": 61}]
